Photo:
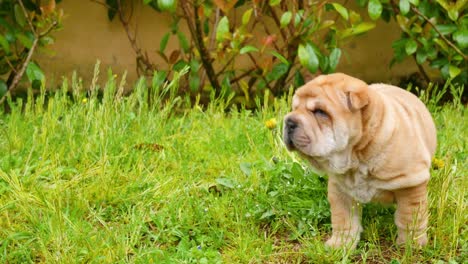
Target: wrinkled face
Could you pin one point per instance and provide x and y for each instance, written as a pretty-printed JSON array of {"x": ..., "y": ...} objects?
[{"x": 326, "y": 117}]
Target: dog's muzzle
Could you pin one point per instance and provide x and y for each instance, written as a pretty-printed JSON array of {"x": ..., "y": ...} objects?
[{"x": 289, "y": 127}]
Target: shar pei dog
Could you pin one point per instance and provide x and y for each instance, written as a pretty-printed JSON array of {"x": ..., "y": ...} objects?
[{"x": 375, "y": 142}]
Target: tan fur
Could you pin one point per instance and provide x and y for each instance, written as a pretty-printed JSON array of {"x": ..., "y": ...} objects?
[{"x": 375, "y": 142}]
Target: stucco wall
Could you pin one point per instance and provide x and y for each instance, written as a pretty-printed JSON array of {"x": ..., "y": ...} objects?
[{"x": 89, "y": 36}]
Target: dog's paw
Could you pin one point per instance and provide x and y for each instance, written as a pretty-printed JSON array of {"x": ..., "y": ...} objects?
[
  {"x": 420, "y": 240},
  {"x": 343, "y": 240}
]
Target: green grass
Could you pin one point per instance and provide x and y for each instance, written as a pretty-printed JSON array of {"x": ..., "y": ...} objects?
[{"x": 114, "y": 179}]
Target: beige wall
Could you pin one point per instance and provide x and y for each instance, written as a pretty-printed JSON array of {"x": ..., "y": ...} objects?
[{"x": 89, "y": 36}]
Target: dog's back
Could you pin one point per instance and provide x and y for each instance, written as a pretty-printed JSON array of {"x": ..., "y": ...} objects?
[{"x": 413, "y": 108}]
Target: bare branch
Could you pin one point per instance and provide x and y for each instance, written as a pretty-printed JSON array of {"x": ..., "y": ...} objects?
[
  {"x": 278, "y": 23},
  {"x": 27, "y": 18},
  {"x": 421, "y": 70},
  {"x": 20, "y": 73},
  {"x": 196, "y": 32},
  {"x": 48, "y": 30},
  {"x": 143, "y": 60},
  {"x": 103, "y": 4}
]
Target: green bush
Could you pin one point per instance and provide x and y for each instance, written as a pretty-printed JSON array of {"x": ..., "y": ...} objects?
[
  {"x": 291, "y": 39},
  {"x": 433, "y": 32},
  {"x": 25, "y": 27},
  {"x": 261, "y": 48}
]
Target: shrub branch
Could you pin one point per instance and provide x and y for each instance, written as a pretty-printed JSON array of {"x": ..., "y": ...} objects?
[
  {"x": 195, "y": 27},
  {"x": 19, "y": 74},
  {"x": 415, "y": 10}
]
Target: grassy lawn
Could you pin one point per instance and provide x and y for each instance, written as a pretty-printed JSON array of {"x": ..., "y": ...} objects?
[{"x": 114, "y": 179}]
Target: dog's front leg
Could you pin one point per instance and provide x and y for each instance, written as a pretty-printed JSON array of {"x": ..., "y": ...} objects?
[
  {"x": 345, "y": 218},
  {"x": 411, "y": 214}
]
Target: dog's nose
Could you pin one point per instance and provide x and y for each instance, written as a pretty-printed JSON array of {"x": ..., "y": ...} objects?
[{"x": 290, "y": 125}]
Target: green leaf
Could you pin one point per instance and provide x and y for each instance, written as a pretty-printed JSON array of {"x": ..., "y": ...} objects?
[
  {"x": 112, "y": 10},
  {"x": 4, "y": 44},
  {"x": 414, "y": 2},
  {"x": 361, "y": 3},
  {"x": 248, "y": 49},
  {"x": 374, "y": 8},
  {"x": 354, "y": 18},
  {"x": 34, "y": 72},
  {"x": 453, "y": 13},
  {"x": 454, "y": 71},
  {"x": 194, "y": 82},
  {"x": 223, "y": 29},
  {"x": 457, "y": 57},
  {"x": 298, "y": 17},
  {"x": 440, "y": 63},
  {"x": 46, "y": 40},
  {"x": 277, "y": 72},
  {"x": 298, "y": 79},
  {"x": 324, "y": 63},
  {"x": 341, "y": 10},
  {"x": 442, "y": 44},
  {"x": 432, "y": 53},
  {"x": 179, "y": 65},
  {"x": 194, "y": 66},
  {"x": 461, "y": 37},
  {"x": 246, "y": 168},
  {"x": 421, "y": 56},
  {"x": 297, "y": 171},
  {"x": 399, "y": 52},
  {"x": 167, "y": 5},
  {"x": 275, "y": 2},
  {"x": 183, "y": 42},
  {"x": 303, "y": 55},
  {"x": 326, "y": 24},
  {"x": 334, "y": 58},
  {"x": 286, "y": 19},
  {"x": 158, "y": 79},
  {"x": 3, "y": 88},
  {"x": 19, "y": 15},
  {"x": 206, "y": 26},
  {"x": 267, "y": 214},
  {"x": 429, "y": 8},
  {"x": 411, "y": 46},
  {"x": 446, "y": 29},
  {"x": 25, "y": 41},
  {"x": 356, "y": 30},
  {"x": 246, "y": 16},
  {"x": 163, "y": 43},
  {"x": 363, "y": 27},
  {"x": 444, "y": 70},
  {"x": 225, "y": 182},
  {"x": 308, "y": 58},
  {"x": 416, "y": 28},
  {"x": 280, "y": 57},
  {"x": 404, "y": 7},
  {"x": 386, "y": 15},
  {"x": 404, "y": 23}
]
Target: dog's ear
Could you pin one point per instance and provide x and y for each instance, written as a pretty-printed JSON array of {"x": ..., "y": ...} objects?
[{"x": 356, "y": 99}]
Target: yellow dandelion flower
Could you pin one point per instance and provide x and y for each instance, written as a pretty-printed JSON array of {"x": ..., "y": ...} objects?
[
  {"x": 437, "y": 163},
  {"x": 84, "y": 101},
  {"x": 270, "y": 123}
]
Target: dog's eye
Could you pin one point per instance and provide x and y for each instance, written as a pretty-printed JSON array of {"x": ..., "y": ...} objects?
[{"x": 319, "y": 112}]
